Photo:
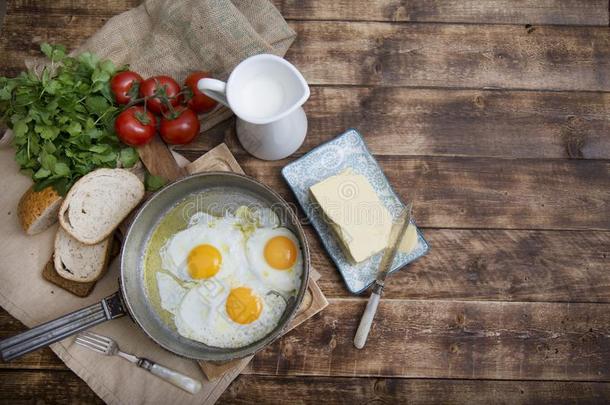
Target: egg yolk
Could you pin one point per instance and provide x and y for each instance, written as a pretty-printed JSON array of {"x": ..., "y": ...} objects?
[
  {"x": 280, "y": 252},
  {"x": 204, "y": 261},
  {"x": 243, "y": 306}
]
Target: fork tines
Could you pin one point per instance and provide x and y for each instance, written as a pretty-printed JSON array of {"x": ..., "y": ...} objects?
[{"x": 95, "y": 342}]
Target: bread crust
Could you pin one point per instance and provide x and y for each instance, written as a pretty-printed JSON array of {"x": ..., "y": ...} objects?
[{"x": 33, "y": 205}]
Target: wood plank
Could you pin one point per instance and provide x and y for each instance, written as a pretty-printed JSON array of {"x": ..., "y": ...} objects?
[
  {"x": 556, "y": 12},
  {"x": 2, "y": 13},
  {"x": 45, "y": 387},
  {"x": 477, "y": 193},
  {"x": 447, "y": 55},
  {"x": 106, "y": 8},
  {"x": 570, "y": 12},
  {"x": 21, "y": 39},
  {"x": 410, "y": 55},
  {"x": 25, "y": 387},
  {"x": 249, "y": 389},
  {"x": 440, "y": 122},
  {"x": 449, "y": 339},
  {"x": 495, "y": 265}
]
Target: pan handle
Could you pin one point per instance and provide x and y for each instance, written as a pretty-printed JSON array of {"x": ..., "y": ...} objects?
[{"x": 43, "y": 335}]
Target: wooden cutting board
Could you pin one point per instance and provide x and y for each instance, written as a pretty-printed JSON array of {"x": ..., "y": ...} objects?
[{"x": 159, "y": 160}]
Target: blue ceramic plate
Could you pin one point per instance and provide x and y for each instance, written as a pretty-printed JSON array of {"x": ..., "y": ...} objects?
[{"x": 328, "y": 159}]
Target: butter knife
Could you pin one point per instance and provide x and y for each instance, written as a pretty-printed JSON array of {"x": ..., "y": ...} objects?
[{"x": 396, "y": 234}]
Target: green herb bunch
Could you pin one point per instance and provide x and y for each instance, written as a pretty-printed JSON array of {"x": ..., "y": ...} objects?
[{"x": 63, "y": 119}]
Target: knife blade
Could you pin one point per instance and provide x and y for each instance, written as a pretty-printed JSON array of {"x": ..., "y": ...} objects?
[{"x": 396, "y": 234}]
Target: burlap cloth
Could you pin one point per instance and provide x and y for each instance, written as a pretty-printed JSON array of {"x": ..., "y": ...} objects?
[
  {"x": 177, "y": 37},
  {"x": 158, "y": 37}
]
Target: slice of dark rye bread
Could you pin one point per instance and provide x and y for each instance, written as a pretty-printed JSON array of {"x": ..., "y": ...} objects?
[
  {"x": 79, "y": 289},
  {"x": 98, "y": 202}
]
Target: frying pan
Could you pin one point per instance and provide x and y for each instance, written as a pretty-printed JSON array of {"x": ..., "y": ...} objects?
[{"x": 217, "y": 192}]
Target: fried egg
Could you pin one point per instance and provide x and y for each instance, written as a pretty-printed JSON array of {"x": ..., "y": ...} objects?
[
  {"x": 221, "y": 315},
  {"x": 211, "y": 247},
  {"x": 274, "y": 255}
]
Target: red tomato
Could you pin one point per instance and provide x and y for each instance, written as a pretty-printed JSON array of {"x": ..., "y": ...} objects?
[
  {"x": 180, "y": 130},
  {"x": 121, "y": 85},
  {"x": 134, "y": 126},
  {"x": 161, "y": 91},
  {"x": 199, "y": 102}
]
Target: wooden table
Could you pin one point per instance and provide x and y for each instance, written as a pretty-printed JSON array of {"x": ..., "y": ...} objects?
[{"x": 494, "y": 116}]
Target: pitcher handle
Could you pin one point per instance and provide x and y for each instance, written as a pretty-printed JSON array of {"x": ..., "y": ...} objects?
[{"x": 215, "y": 89}]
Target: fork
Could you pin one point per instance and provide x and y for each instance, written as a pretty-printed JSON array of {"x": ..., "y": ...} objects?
[{"x": 107, "y": 346}]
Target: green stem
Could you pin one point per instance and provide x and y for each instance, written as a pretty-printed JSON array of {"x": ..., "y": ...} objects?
[{"x": 100, "y": 117}]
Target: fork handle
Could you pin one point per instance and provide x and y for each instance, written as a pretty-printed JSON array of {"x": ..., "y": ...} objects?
[
  {"x": 60, "y": 328},
  {"x": 171, "y": 376}
]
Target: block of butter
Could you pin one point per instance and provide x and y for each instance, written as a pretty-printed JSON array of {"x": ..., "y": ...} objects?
[{"x": 353, "y": 210}]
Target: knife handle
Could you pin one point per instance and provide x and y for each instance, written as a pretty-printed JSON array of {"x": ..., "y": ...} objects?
[{"x": 367, "y": 320}]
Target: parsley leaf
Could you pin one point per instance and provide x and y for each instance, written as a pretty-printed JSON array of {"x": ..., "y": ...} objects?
[
  {"x": 128, "y": 157},
  {"x": 154, "y": 183},
  {"x": 63, "y": 119}
]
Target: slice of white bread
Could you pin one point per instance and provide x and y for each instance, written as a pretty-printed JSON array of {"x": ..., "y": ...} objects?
[
  {"x": 98, "y": 202},
  {"x": 37, "y": 210},
  {"x": 76, "y": 261}
]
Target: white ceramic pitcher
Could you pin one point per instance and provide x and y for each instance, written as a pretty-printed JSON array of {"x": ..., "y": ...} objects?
[{"x": 266, "y": 93}]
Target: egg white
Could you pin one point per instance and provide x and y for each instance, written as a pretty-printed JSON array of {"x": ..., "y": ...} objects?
[
  {"x": 266, "y": 218},
  {"x": 282, "y": 280},
  {"x": 170, "y": 292},
  {"x": 220, "y": 233},
  {"x": 202, "y": 218}
]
